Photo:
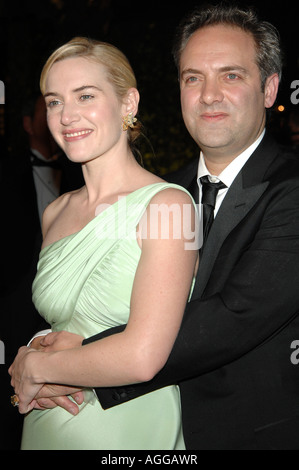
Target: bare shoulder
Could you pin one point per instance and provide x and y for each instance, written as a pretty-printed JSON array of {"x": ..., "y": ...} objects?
[
  {"x": 172, "y": 195},
  {"x": 54, "y": 210},
  {"x": 171, "y": 216}
]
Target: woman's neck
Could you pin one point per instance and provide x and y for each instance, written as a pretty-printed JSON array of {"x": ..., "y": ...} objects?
[{"x": 107, "y": 178}]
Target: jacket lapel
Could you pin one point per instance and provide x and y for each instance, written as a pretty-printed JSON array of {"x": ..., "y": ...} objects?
[
  {"x": 243, "y": 194},
  {"x": 236, "y": 205}
]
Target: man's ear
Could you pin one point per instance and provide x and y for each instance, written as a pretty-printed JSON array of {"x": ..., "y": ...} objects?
[
  {"x": 271, "y": 90},
  {"x": 131, "y": 102},
  {"x": 27, "y": 124}
]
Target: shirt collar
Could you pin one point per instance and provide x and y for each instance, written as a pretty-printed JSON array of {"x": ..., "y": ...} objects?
[
  {"x": 38, "y": 154},
  {"x": 228, "y": 175}
]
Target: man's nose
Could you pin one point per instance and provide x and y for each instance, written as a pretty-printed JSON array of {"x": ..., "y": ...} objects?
[{"x": 211, "y": 91}]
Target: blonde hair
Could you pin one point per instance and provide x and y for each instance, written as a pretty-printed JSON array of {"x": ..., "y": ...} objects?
[{"x": 119, "y": 70}]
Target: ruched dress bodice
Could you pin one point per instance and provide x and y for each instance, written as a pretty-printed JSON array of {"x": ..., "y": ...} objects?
[{"x": 83, "y": 285}]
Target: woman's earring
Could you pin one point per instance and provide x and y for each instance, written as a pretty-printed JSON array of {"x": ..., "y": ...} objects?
[{"x": 128, "y": 121}]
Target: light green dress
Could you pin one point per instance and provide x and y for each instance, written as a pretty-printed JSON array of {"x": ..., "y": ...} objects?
[{"x": 83, "y": 285}]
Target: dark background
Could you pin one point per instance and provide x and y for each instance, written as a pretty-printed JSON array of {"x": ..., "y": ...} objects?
[{"x": 31, "y": 30}]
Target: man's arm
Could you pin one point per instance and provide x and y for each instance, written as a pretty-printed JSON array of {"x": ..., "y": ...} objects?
[{"x": 260, "y": 297}]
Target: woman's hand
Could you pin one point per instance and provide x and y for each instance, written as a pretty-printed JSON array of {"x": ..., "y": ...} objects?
[
  {"x": 23, "y": 380},
  {"x": 49, "y": 395}
]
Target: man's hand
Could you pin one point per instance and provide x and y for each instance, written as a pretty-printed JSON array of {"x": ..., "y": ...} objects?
[
  {"x": 60, "y": 340},
  {"x": 51, "y": 396},
  {"x": 35, "y": 343}
]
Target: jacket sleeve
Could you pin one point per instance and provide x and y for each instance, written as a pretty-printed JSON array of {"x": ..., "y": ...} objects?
[{"x": 259, "y": 298}]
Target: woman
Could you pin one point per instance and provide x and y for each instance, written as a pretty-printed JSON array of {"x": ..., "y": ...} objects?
[{"x": 106, "y": 260}]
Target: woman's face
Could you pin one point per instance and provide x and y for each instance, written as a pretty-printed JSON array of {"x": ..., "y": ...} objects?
[{"x": 83, "y": 111}]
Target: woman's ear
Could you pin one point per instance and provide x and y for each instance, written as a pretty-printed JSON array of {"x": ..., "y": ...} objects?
[{"x": 131, "y": 102}]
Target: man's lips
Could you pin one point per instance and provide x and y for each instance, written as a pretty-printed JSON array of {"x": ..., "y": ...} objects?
[
  {"x": 76, "y": 134},
  {"x": 213, "y": 117}
]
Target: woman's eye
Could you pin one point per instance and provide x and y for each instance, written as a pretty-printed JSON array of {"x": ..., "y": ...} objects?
[
  {"x": 86, "y": 97},
  {"x": 53, "y": 103}
]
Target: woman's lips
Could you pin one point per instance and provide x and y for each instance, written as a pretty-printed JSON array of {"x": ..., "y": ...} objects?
[{"x": 76, "y": 134}]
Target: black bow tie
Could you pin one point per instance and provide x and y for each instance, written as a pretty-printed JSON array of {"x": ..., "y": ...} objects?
[{"x": 35, "y": 161}]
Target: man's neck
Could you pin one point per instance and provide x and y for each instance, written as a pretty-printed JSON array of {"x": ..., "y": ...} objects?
[
  {"x": 216, "y": 162},
  {"x": 214, "y": 166}
]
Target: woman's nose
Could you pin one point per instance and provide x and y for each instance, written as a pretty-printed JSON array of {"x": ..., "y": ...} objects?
[{"x": 69, "y": 113}]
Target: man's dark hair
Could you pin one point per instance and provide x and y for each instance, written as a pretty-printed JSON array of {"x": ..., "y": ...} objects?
[{"x": 265, "y": 35}]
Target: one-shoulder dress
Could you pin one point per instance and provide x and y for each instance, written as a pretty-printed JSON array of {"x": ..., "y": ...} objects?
[{"x": 83, "y": 285}]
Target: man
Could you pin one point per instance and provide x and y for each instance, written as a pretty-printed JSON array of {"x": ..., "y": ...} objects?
[{"x": 239, "y": 388}]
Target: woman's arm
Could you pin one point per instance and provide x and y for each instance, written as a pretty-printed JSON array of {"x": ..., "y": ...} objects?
[{"x": 160, "y": 292}]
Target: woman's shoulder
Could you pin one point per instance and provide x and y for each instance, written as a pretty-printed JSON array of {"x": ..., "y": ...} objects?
[
  {"x": 168, "y": 193},
  {"x": 163, "y": 191},
  {"x": 55, "y": 209}
]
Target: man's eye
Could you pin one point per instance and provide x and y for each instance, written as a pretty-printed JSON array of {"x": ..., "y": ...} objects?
[
  {"x": 191, "y": 79},
  {"x": 232, "y": 76}
]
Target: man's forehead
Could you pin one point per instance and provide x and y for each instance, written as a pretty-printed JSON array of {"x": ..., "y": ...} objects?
[{"x": 218, "y": 44}]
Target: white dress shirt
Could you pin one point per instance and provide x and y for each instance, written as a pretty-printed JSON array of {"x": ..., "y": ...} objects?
[{"x": 227, "y": 176}]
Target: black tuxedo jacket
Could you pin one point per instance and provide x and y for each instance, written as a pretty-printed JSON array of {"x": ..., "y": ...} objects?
[{"x": 232, "y": 357}]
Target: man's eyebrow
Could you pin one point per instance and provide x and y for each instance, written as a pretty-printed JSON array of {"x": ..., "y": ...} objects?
[
  {"x": 226, "y": 68},
  {"x": 231, "y": 68},
  {"x": 76, "y": 90},
  {"x": 190, "y": 71}
]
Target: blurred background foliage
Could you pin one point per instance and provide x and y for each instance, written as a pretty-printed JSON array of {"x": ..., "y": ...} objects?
[{"x": 31, "y": 30}]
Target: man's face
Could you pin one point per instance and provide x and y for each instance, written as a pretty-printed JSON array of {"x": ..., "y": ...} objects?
[{"x": 222, "y": 100}]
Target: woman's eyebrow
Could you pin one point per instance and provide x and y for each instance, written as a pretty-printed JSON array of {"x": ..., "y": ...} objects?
[{"x": 76, "y": 90}]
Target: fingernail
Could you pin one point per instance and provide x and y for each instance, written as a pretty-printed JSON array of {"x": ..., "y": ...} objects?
[
  {"x": 74, "y": 411},
  {"x": 78, "y": 399}
]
